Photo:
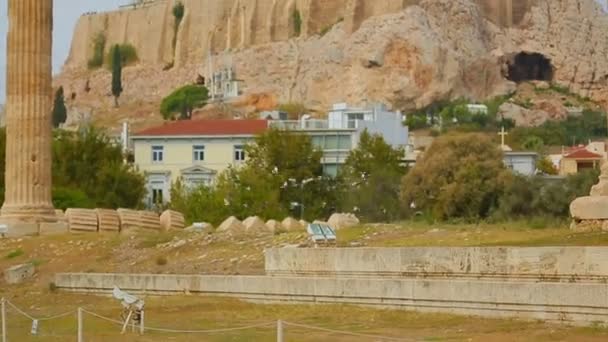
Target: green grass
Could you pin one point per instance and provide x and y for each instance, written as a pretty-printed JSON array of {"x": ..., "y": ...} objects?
[{"x": 15, "y": 254}]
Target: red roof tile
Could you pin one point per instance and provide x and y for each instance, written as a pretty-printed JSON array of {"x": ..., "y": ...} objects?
[
  {"x": 583, "y": 154},
  {"x": 207, "y": 127}
]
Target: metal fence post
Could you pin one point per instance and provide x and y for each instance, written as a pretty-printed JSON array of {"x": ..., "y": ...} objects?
[
  {"x": 141, "y": 322},
  {"x": 80, "y": 332},
  {"x": 279, "y": 331},
  {"x": 3, "y": 309}
]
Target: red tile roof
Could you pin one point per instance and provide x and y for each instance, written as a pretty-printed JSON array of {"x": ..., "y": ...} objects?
[
  {"x": 583, "y": 154},
  {"x": 207, "y": 127}
]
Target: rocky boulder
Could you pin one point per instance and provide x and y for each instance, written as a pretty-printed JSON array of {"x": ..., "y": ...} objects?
[
  {"x": 339, "y": 221},
  {"x": 254, "y": 224},
  {"x": 291, "y": 224},
  {"x": 231, "y": 225},
  {"x": 274, "y": 226}
]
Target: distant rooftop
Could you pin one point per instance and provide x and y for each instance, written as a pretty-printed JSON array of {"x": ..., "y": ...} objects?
[{"x": 207, "y": 127}]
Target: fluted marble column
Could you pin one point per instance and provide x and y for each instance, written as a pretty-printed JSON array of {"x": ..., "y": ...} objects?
[{"x": 28, "y": 112}]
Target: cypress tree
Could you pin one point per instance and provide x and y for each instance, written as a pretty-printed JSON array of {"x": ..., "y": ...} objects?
[
  {"x": 60, "y": 112},
  {"x": 116, "y": 73}
]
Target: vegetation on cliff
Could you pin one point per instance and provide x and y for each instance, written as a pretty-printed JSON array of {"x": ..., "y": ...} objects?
[
  {"x": 99, "y": 47},
  {"x": 183, "y": 101},
  {"x": 116, "y": 73},
  {"x": 60, "y": 112}
]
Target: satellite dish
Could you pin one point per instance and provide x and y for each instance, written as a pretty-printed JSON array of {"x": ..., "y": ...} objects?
[{"x": 127, "y": 300}]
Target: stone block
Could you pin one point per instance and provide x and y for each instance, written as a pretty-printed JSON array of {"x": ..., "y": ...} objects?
[
  {"x": 291, "y": 224},
  {"x": 255, "y": 224},
  {"x": 129, "y": 219},
  {"x": 19, "y": 273},
  {"x": 339, "y": 221},
  {"x": 54, "y": 228},
  {"x": 171, "y": 219},
  {"x": 274, "y": 226},
  {"x": 590, "y": 208},
  {"x": 231, "y": 225},
  {"x": 18, "y": 229},
  {"x": 149, "y": 220},
  {"x": 82, "y": 220},
  {"x": 108, "y": 220}
]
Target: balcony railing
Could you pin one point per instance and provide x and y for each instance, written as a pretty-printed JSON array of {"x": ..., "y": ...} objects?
[{"x": 310, "y": 125}]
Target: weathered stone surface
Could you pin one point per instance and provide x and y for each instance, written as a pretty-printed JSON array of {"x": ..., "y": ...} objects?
[
  {"x": 108, "y": 220},
  {"x": 254, "y": 224},
  {"x": 171, "y": 219},
  {"x": 339, "y": 221},
  {"x": 601, "y": 188},
  {"x": 83, "y": 220},
  {"x": 19, "y": 273},
  {"x": 54, "y": 228},
  {"x": 28, "y": 104},
  {"x": 412, "y": 55},
  {"x": 231, "y": 225},
  {"x": 590, "y": 208},
  {"x": 129, "y": 218},
  {"x": 274, "y": 226},
  {"x": 149, "y": 220},
  {"x": 291, "y": 224}
]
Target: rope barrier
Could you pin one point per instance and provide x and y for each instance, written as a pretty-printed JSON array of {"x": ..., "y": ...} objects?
[
  {"x": 304, "y": 326},
  {"x": 23, "y": 313},
  {"x": 210, "y": 331}
]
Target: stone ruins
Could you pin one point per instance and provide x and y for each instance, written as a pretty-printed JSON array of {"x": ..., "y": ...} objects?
[{"x": 28, "y": 123}]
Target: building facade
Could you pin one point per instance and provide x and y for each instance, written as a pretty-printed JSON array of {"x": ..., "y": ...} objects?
[{"x": 195, "y": 151}]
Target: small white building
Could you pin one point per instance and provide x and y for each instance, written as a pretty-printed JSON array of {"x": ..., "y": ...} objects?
[
  {"x": 477, "y": 109},
  {"x": 523, "y": 163}
]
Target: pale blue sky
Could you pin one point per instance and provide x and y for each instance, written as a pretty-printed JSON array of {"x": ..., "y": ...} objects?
[{"x": 66, "y": 15}]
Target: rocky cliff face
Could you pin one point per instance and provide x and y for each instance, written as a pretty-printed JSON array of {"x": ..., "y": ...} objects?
[{"x": 403, "y": 52}]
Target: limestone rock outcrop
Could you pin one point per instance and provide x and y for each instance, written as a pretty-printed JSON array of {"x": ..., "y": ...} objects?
[
  {"x": 82, "y": 220},
  {"x": 406, "y": 53},
  {"x": 339, "y": 221},
  {"x": 171, "y": 219}
]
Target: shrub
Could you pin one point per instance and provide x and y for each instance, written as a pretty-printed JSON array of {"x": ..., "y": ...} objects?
[
  {"x": 183, "y": 101},
  {"x": 297, "y": 22},
  {"x": 53, "y": 287},
  {"x": 128, "y": 55},
  {"x": 99, "y": 46},
  {"x": 64, "y": 198},
  {"x": 459, "y": 176},
  {"x": 15, "y": 254}
]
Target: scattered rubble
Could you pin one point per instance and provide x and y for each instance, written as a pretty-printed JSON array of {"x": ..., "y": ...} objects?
[{"x": 232, "y": 225}]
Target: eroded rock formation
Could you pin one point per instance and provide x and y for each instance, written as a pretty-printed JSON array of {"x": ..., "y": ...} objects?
[{"x": 407, "y": 53}]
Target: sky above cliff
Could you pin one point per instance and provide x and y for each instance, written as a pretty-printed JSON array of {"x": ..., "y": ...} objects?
[{"x": 67, "y": 13}]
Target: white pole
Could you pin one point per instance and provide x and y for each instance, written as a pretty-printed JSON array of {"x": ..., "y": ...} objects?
[
  {"x": 141, "y": 323},
  {"x": 279, "y": 331},
  {"x": 3, "y": 309},
  {"x": 80, "y": 332}
]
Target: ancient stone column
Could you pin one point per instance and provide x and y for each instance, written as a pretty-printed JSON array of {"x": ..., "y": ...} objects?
[{"x": 28, "y": 111}]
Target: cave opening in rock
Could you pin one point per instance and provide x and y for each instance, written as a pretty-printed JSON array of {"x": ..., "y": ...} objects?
[{"x": 529, "y": 67}]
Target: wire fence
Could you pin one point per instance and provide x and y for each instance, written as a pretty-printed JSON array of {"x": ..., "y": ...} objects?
[{"x": 70, "y": 324}]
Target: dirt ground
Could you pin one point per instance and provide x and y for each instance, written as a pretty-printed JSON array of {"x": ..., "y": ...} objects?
[{"x": 203, "y": 253}]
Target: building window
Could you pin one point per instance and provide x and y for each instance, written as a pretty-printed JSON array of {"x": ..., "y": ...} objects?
[
  {"x": 239, "y": 153},
  {"x": 198, "y": 153},
  {"x": 158, "y": 154},
  {"x": 157, "y": 196}
]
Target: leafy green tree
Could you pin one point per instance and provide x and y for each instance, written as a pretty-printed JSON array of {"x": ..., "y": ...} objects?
[
  {"x": 200, "y": 204},
  {"x": 60, "y": 112},
  {"x": 459, "y": 176},
  {"x": 89, "y": 161},
  {"x": 116, "y": 74},
  {"x": 371, "y": 176},
  {"x": 183, "y": 101}
]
